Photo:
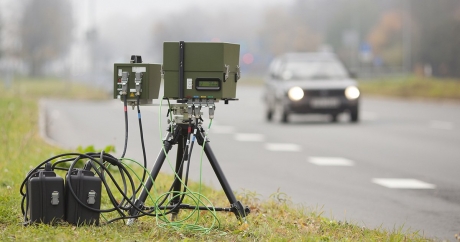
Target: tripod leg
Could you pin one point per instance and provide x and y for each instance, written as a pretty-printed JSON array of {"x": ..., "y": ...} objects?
[
  {"x": 168, "y": 143},
  {"x": 177, "y": 186},
  {"x": 236, "y": 206}
]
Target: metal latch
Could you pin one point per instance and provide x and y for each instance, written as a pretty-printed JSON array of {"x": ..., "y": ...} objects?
[
  {"x": 91, "y": 197},
  {"x": 55, "y": 198},
  {"x": 227, "y": 70},
  {"x": 238, "y": 73}
]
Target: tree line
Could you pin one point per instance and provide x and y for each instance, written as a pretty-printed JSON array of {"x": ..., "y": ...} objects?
[{"x": 414, "y": 35}]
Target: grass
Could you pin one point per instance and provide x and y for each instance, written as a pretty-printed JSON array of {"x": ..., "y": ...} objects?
[
  {"x": 413, "y": 87},
  {"x": 272, "y": 219}
]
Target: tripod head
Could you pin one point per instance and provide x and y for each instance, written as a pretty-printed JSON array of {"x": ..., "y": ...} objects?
[{"x": 184, "y": 113}]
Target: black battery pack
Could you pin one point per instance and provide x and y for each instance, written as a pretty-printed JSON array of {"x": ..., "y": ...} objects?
[
  {"x": 87, "y": 189},
  {"x": 45, "y": 196}
]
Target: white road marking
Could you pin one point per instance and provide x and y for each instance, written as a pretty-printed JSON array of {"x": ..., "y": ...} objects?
[
  {"x": 220, "y": 129},
  {"x": 403, "y": 183},
  {"x": 436, "y": 124},
  {"x": 283, "y": 147},
  {"x": 247, "y": 137},
  {"x": 331, "y": 161}
]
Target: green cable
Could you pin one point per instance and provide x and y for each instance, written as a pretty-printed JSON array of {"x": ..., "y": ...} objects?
[
  {"x": 189, "y": 193},
  {"x": 139, "y": 178}
]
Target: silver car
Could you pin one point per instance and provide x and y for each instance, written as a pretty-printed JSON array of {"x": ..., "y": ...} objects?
[{"x": 303, "y": 83}]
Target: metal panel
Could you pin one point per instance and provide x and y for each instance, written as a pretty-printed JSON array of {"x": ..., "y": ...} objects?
[{"x": 201, "y": 60}]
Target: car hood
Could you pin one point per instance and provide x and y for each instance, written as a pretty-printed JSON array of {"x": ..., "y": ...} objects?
[{"x": 320, "y": 84}]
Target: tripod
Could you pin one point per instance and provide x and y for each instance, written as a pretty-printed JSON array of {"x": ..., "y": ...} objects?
[{"x": 180, "y": 130}]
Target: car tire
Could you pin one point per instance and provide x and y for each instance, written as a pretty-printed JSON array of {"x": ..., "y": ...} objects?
[
  {"x": 269, "y": 115},
  {"x": 354, "y": 115},
  {"x": 281, "y": 114},
  {"x": 284, "y": 117},
  {"x": 334, "y": 117}
]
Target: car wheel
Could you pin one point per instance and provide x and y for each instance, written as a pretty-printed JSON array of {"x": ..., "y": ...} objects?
[
  {"x": 284, "y": 117},
  {"x": 334, "y": 118},
  {"x": 269, "y": 115},
  {"x": 354, "y": 115},
  {"x": 281, "y": 113}
]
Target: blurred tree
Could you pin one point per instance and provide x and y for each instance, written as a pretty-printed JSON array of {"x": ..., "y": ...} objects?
[
  {"x": 386, "y": 37},
  {"x": 351, "y": 18},
  {"x": 1, "y": 35},
  {"x": 285, "y": 32},
  {"x": 45, "y": 32},
  {"x": 436, "y": 40}
]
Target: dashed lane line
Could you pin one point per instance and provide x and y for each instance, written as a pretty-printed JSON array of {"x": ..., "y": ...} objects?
[
  {"x": 330, "y": 161},
  {"x": 398, "y": 183},
  {"x": 248, "y": 137},
  {"x": 437, "y": 124},
  {"x": 283, "y": 147}
]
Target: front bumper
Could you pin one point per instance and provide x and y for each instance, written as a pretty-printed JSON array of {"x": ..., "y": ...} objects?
[{"x": 320, "y": 101}]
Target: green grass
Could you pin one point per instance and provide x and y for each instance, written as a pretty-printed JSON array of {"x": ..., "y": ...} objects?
[
  {"x": 271, "y": 219},
  {"x": 413, "y": 87}
]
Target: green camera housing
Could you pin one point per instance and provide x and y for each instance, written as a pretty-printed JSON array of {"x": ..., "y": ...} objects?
[
  {"x": 210, "y": 70},
  {"x": 147, "y": 87}
]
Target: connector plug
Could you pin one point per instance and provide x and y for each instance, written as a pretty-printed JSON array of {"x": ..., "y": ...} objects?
[
  {"x": 124, "y": 83},
  {"x": 138, "y": 81}
]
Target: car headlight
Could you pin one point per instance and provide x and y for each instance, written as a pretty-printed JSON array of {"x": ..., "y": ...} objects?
[
  {"x": 295, "y": 93},
  {"x": 352, "y": 92}
]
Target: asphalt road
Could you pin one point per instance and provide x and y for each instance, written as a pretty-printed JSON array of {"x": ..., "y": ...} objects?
[{"x": 399, "y": 166}]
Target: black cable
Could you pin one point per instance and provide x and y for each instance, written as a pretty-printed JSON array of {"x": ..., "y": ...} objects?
[
  {"x": 144, "y": 174},
  {"x": 105, "y": 184},
  {"x": 118, "y": 206},
  {"x": 104, "y": 161},
  {"x": 122, "y": 174},
  {"x": 125, "y": 108},
  {"x": 105, "y": 158}
]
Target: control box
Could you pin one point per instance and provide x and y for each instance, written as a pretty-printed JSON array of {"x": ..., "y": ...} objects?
[
  {"x": 200, "y": 70},
  {"x": 137, "y": 79}
]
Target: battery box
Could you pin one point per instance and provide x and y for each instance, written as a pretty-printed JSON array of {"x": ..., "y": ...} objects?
[
  {"x": 87, "y": 189},
  {"x": 45, "y": 196}
]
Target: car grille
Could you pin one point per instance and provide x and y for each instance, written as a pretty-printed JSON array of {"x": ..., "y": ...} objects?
[{"x": 325, "y": 93}]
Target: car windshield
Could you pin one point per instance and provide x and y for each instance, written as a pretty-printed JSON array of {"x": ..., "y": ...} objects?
[{"x": 313, "y": 70}]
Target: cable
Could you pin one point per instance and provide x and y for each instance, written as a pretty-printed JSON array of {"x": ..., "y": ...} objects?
[
  {"x": 186, "y": 190},
  {"x": 105, "y": 159},
  {"x": 101, "y": 163},
  {"x": 142, "y": 142},
  {"x": 125, "y": 109}
]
